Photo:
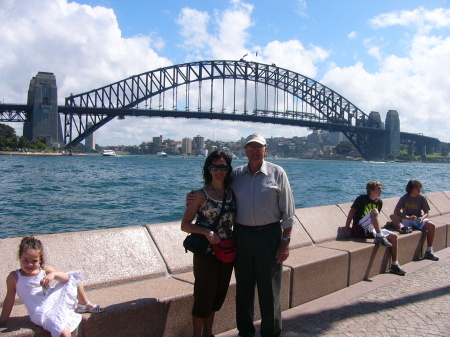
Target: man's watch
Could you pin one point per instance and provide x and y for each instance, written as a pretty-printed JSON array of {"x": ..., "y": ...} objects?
[{"x": 286, "y": 239}]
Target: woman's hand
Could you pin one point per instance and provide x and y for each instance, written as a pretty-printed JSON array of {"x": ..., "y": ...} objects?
[{"x": 212, "y": 237}]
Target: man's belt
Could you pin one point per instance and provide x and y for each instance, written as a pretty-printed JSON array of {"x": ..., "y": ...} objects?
[{"x": 259, "y": 228}]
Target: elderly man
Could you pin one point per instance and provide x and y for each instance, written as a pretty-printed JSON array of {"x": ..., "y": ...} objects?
[{"x": 266, "y": 213}]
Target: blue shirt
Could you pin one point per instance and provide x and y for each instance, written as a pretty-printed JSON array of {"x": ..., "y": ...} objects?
[{"x": 263, "y": 197}]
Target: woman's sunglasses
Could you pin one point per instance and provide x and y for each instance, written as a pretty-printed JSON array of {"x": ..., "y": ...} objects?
[{"x": 214, "y": 167}]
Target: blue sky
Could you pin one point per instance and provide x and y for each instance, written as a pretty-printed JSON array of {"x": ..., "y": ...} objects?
[{"x": 380, "y": 55}]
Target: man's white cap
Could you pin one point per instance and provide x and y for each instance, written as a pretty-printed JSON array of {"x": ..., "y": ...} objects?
[{"x": 255, "y": 138}]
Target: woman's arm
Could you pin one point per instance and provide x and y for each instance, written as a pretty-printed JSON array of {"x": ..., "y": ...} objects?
[
  {"x": 52, "y": 274},
  {"x": 8, "y": 303}
]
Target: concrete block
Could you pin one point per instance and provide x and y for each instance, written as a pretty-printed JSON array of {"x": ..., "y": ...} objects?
[
  {"x": 440, "y": 201},
  {"x": 389, "y": 207},
  {"x": 107, "y": 256},
  {"x": 322, "y": 223},
  {"x": 9, "y": 252},
  {"x": 154, "y": 307},
  {"x": 20, "y": 325},
  {"x": 447, "y": 193},
  {"x": 299, "y": 237},
  {"x": 316, "y": 272},
  {"x": 168, "y": 238},
  {"x": 365, "y": 258}
]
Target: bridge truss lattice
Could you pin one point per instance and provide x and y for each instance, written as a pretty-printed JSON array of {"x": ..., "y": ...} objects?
[{"x": 225, "y": 90}]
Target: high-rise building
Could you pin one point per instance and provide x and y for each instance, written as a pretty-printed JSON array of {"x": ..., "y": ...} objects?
[
  {"x": 158, "y": 140},
  {"x": 186, "y": 145},
  {"x": 198, "y": 143}
]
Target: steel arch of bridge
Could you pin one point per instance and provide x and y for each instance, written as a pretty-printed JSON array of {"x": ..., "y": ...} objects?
[{"x": 258, "y": 93}]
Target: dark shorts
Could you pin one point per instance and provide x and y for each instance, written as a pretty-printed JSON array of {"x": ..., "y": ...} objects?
[{"x": 212, "y": 278}]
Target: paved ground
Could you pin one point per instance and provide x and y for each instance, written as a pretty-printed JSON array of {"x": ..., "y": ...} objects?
[{"x": 417, "y": 304}]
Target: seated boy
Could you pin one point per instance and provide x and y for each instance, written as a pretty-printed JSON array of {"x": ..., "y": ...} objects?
[
  {"x": 364, "y": 213},
  {"x": 408, "y": 214}
]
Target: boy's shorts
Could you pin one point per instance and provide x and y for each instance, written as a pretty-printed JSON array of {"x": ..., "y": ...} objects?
[
  {"x": 366, "y": 226},
  {"x": 412, "y": 223}
]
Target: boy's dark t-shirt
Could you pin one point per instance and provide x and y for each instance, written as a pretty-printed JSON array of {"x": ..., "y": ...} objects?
[
  {"x": 413, "y": 206},
  {"x": 363, "y": 205}
]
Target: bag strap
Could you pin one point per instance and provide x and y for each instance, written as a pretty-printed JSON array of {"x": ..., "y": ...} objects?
[{"x": 216, "y": 221}]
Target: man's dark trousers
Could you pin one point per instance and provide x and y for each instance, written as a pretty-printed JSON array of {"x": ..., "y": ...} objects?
[{"x": 256, "y": 264}]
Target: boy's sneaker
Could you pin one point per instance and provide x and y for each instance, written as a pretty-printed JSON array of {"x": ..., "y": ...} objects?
[
  {"x": 409, "y": 229},
  {"x": 405, "y": 230},
  {"x": 382, "y": 241},
  {"x": 430, "y": 256},
  {"x": 397, "y": 270}
]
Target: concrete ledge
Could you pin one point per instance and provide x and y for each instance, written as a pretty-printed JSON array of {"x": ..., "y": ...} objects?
[
  {"x": 107, "y": 256},
  {"x": 365, "y": 259},
  {"x": 322, "y": 223},
  {"x": 440, "y": 201},
  {"x": 315, "y": 272},
  {"x": 155, "y": 307},
  {"x": 168, "y": 238}
]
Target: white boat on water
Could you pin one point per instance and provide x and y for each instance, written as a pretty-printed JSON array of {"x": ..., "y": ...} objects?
[
  {"x": 108, "y": 153},
  {"x": 161, "y": 154}
]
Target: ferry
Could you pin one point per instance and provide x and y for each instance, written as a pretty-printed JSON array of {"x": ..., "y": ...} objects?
[
  {"x": 108, "y": 153},
  {"x": 161, "y": 154}
]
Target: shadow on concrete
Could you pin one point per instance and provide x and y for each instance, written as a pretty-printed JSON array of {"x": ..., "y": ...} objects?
[{"x": 318, "y": 323}]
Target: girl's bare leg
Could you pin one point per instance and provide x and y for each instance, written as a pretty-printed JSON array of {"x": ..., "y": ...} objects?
[{"x": 82, "y": 297}]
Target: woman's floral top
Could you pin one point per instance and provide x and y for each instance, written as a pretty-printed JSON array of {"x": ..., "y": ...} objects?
[{"x": 208, "y": 213}]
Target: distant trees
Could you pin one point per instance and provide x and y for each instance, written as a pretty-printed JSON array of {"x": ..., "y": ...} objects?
[
  {"x": 344, "y": 148},
  {"x": 445, "y": 149},
  {"x": 9, "y": 141}
]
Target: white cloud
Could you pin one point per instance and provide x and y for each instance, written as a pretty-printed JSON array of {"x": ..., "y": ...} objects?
[
  {"x": 421, "y": 19},
  {"x": 352, "y": 35},
  {"x": 415, "y": 85},
  {"x": 80, "y": 44}
]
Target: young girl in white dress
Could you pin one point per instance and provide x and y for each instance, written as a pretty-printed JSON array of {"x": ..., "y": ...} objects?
[{"x": 56, "y": 308}]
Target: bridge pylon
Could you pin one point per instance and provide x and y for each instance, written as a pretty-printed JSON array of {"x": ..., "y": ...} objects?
[{"x": 43, "y": 120}]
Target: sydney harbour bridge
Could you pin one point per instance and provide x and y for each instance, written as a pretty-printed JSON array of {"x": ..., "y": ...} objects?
[{"x": 225, "y": 90}]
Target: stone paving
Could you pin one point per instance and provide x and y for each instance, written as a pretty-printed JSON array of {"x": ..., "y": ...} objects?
[{"x": 417, "y": 304}]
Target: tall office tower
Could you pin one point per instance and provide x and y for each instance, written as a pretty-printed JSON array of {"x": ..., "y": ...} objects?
[
  {"x": 198, "y": 142},
  {"x": 186, "y": 145}
]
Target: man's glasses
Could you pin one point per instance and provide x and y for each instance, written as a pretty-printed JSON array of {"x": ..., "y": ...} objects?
[
  {"x": 214, "y": 167},
  {"x": 254, "y": 147}
]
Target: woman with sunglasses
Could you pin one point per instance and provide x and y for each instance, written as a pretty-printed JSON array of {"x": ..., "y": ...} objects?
[{"x": 212, "y": 277}]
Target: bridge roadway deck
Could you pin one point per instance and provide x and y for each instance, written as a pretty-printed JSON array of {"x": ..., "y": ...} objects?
[{"x": 417, "y": 304}]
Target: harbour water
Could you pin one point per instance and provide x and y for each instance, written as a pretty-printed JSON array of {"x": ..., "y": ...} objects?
[{"x": 54, "y": 194}]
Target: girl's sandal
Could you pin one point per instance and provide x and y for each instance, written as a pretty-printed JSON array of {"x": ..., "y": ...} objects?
[{"x": 82, "y": 308}]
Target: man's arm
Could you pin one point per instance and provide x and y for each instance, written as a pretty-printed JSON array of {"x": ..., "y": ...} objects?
[{"x": 283, "y": 249}]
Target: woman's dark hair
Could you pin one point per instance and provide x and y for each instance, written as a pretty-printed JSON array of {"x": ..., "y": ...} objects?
[
  {"x": 411, "y": 184},
  {"x": 31, "y": 243},
  {"x": 213, "y": 156}
]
